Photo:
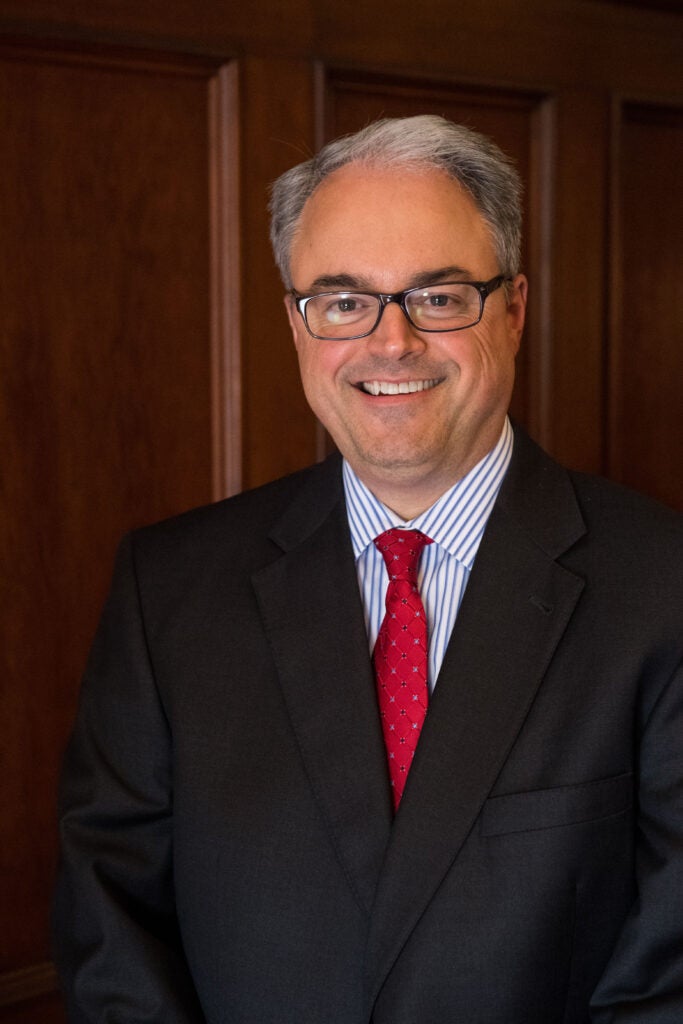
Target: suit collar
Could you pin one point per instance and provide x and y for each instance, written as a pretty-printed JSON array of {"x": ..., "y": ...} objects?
[
  {"x": 538, "y": 497},
  {"x": 320, "y": 493},
  {"x": 536, "y": 493}
]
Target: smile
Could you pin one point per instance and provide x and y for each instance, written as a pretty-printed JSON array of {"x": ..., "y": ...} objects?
[{"x": 392, "y": 387}]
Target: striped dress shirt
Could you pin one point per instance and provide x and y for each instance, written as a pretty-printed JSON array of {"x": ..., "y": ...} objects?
[{"x": 455, "y": 523}]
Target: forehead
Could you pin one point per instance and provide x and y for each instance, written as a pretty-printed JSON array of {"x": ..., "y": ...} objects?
[{"x": 384, "y": 225}]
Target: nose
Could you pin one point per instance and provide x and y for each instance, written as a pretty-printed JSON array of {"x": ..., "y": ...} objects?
[{"x": 394, "y": 336}]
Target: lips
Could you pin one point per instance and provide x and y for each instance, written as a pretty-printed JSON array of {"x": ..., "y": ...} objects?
[{"x": 394, "y": 387}]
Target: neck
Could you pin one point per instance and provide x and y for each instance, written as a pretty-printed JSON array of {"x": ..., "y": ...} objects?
[
  {"x": 409, "y": 490},
  {"x": 410, "y": 498}
]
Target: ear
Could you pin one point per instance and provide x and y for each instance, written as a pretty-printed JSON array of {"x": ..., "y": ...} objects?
[
  {"x": 296, "y": 323},
  {"x": 516, "y": 307},
  {"x": 292, "y": 313}
]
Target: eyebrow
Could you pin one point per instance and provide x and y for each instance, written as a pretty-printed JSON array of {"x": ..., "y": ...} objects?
[{"x": 422, "y": 279}]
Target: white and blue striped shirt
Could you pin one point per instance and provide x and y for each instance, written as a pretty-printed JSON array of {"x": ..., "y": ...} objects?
[{"x": 455, "y": 523}]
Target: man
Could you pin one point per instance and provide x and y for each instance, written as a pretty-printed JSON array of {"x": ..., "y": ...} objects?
[{"x": 261, "y": 820}]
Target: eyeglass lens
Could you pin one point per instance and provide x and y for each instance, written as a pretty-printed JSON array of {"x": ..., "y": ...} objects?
[{"x": 444, "y": 307}]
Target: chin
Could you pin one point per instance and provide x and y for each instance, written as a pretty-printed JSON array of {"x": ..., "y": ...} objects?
[{"x": 395, "y": 460}]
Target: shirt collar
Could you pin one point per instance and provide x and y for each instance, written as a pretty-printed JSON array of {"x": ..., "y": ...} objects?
[{"x": 455, "y": 522}]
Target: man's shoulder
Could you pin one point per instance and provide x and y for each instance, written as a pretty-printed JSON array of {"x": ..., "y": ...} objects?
[
  {"x": 244, "y": 521},
  {"x": 543, "y": 491},
  {"x": 632, "y": 537},
  {"x": 606, "y": 499},
  {"x": 535, "y": 466}
]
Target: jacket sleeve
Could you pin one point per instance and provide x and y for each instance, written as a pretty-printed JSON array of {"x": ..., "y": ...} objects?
[
  {"x": 116, "y": 935},
  {"x": 643, "y": 982}
]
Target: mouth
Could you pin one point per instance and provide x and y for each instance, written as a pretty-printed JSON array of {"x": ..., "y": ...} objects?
[{"x": 394, "y": 387}]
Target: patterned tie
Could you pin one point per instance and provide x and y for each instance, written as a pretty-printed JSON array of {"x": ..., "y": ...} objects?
[{"x": 400, "y": 655}]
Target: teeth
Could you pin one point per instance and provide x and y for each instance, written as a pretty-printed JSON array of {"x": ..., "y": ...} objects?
[{"x": 389, "y": 387}]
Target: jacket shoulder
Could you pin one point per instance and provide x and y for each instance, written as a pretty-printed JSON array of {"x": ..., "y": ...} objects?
[
  {"x": 567, "y": 510},
  {"x": 239, "y": 526},
  {"x": 620, "y": 511}
]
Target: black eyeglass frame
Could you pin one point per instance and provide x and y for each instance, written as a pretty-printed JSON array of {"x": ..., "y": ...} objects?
[{"x": 483, "y": 287}]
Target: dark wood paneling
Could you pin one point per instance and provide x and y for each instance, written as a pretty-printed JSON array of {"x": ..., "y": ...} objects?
[
  {"x": 105, "y": 390},
  {"x": 579, "y": 305},
  {"x": 34, "y": 985},
  {"x": 561, "y": 44},
  {"x": 278, "y": 129},
  {"x": 43, "y": 1009},
  {"x": 278, "y": 27},
  {"x": 646, "y": 422},
  {"x": 226, "y": 311},
  {"x": 674, "y": 6}
]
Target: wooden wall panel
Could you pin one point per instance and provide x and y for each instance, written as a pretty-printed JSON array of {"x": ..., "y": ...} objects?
[
  {"x": 517, "y": 120},
  {"x": 28, "y": 994},
  {"x": 646, "y": 350},
  {"x": 225, "y": 277},
  {"x": 105, "y": 396},
  {"x": 558, "y": 44},
  {"x": 578, "y": 304},
  {"x": 280, "y": 432}
]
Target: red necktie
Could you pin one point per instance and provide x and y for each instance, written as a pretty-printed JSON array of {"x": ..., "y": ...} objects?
[{"x": 400, "y": 655}]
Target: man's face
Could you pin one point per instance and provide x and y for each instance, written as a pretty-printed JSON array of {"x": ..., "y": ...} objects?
[{"x": 385, "y": 230}]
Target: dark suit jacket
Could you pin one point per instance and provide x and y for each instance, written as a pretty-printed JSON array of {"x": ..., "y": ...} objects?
[{"x": 228, "y": 847}]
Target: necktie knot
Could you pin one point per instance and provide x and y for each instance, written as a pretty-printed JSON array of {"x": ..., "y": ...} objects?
[{"x": 401, "y": 550}]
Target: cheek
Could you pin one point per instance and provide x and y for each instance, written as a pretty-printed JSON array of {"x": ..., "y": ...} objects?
[
  {"x": 320, "y": 363},
  {"x": 306, "y": 355},
  {"x": 492, "y": 353},
  {"x": 318, "y": 379},
  {"x": 313, "y": 369}
]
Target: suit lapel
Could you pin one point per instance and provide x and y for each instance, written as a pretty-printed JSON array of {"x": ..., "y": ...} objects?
[
  {"x": 515, "y": 610},
  {"x": 313, "y": 617}
]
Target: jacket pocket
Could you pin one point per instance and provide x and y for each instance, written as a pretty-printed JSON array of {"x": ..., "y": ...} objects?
[{"x": 562, "y": 805}]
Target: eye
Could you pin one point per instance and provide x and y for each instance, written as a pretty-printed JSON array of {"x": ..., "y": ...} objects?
[
  {"x": 344, "y": 307},
  {"x": 347, "y": 305},
  {"x": 449, "y": 304},
  {"x": 441, "y": 301}
]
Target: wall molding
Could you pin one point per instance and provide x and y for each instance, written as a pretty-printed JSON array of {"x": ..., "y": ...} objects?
[
  {"x": 27, "y": 983},
  {"x": 224, "y": 216}
]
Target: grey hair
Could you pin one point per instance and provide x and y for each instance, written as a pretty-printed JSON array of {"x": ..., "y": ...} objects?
[{"x": 427, "y": 140}]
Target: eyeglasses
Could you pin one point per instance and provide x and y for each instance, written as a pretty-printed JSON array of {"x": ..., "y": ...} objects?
[{"x": 346, "y": 316}]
